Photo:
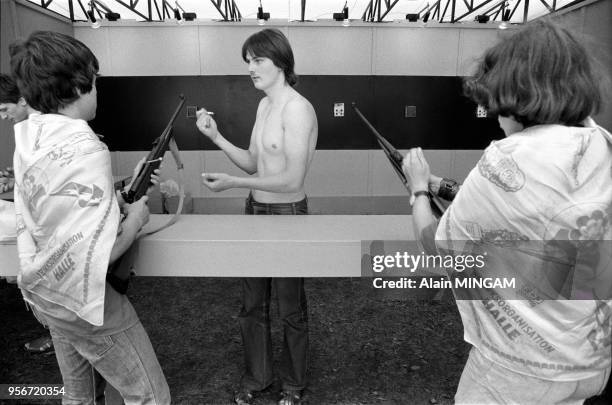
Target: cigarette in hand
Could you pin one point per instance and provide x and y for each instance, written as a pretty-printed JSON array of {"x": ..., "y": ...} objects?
[{"x": 207, "y": 112}]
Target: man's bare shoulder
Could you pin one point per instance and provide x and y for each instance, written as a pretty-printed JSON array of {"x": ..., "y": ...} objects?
[{"x": 298, "y": 105}]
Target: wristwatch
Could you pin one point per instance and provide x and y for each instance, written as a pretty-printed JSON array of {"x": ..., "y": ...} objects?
[
  {"x": 418, "y": 194},
  {"x": 448, "y": 189}
]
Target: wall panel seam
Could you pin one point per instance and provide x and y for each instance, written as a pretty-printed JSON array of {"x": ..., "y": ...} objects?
[
  {"x": 200, "y": 62},
  {"x": 459, "y": 51},
  {"x": 372, "y": 51}
]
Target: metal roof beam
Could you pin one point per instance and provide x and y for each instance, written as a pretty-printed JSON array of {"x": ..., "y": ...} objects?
[
  {"x": 228, "y": 9},
  {"x": 374, "y": 10}
]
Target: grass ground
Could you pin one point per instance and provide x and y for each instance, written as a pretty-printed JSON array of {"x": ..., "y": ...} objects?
[{"x": 365, "y": 349}]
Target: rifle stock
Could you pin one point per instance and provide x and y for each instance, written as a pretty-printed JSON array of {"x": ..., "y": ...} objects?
[{"x": 154, "y": 158}]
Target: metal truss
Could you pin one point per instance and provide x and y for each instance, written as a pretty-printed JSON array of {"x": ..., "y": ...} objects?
[
  {"x": 453, "y": 11},
  {"x": 374, "y": 11},
  {"x": 227, "y": 8},
  {"x": 447, "y": 10},
  {"x": 496, "y": 10}
]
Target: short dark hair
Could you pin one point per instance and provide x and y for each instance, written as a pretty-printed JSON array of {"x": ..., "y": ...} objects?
[
  {"x": 9, "y": 92},
  {"x": 273, "y": 44},
  {"x": 540, "y": 75},
  {"x": 50, "y": 67}
]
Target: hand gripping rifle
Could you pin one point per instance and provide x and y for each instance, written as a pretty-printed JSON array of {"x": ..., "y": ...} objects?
[
  {"x": 160, "y": 146},
  {"x": 396, "y": 159}
]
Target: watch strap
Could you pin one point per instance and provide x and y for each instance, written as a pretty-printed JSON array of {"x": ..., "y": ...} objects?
[{"x": 418, "y": 194}]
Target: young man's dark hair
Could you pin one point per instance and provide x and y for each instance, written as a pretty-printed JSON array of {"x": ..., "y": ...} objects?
[
  {"x": 272, "y": 44},
  {"x": 51, "y": 69},
  {"x": 12, "y": 106},
  {"x": 9, "y": 92},
  {"x": 542, "y": 76}
]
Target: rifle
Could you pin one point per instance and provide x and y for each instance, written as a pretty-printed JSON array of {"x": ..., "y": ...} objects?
[
  {"x": 119, "y": 273},
  {"x": 160, "y": 146},
  {"x": 396, "y": 159}
]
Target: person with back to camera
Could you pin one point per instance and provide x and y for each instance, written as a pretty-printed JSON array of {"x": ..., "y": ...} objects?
[
  {"x": 69, "y": 230},
  {"x": 543, "y": 198},
  {"x": 281, "y": 148}
]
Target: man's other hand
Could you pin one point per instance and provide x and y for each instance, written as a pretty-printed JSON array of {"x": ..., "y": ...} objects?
[{"x": 218, "y": 181}]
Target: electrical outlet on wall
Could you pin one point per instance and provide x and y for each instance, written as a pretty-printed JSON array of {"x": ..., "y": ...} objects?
[
  {"x": 481, "y": 112},
  {"x": 191, "y": 111},
  {"x": 338, "y": 109},
  {"x": 410, "y": 111}
]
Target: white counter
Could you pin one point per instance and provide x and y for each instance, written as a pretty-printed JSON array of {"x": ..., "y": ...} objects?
[{"x": 243, "y": 245}]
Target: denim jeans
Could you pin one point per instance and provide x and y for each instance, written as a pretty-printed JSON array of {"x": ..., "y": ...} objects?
[
  {"x": 126, "y": 360},
  {"x": 254, "y": 318},
  {"x": 484, "y": 382}
]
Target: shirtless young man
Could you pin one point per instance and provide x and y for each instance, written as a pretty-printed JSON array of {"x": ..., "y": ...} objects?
[{"x": 282, "y": 146}]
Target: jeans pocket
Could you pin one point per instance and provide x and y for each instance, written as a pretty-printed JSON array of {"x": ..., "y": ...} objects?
[{"x": 102, "y": 345}]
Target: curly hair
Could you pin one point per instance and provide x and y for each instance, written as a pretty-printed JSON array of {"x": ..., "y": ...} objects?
[
  {"x": 52, "y": 69},
  {"x": 540, "y": 75},
  {"x": 273, "y": 44}
]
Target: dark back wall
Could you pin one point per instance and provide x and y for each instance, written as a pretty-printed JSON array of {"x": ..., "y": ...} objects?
[{"x": 132, "y": 111}]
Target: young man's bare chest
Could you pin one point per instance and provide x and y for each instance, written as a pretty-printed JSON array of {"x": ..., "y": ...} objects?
[{"x": 269, "y": 132}]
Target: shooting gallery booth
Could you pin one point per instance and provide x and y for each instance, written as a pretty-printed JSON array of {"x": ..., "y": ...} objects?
[{"x": 405, "y": 76}]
